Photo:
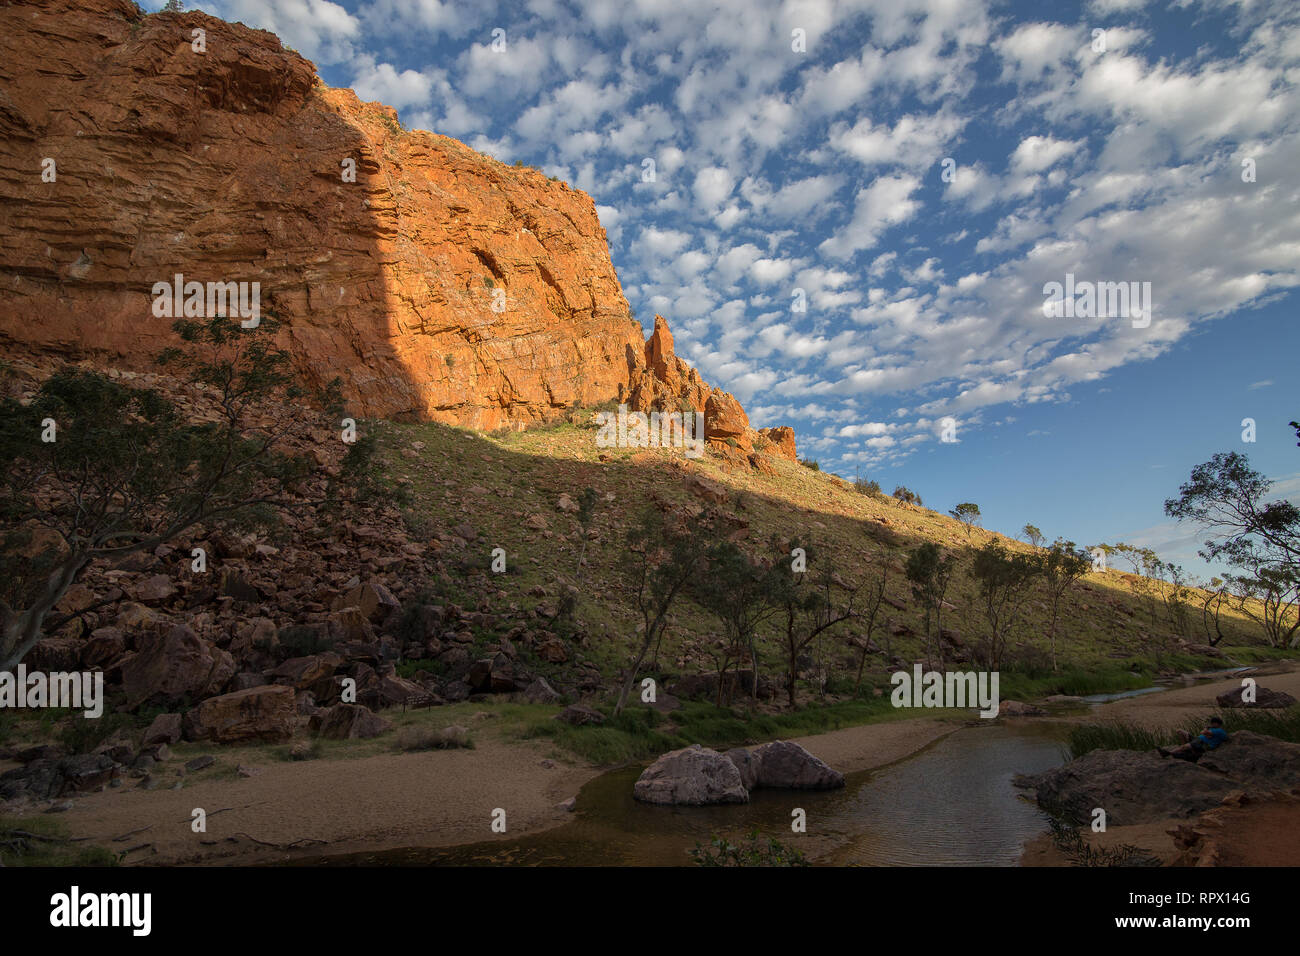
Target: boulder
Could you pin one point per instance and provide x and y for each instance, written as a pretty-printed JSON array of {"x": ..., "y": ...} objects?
[
  {"x": 1255, "y": 759},
  {"x": 301, "y": 673},
  {"x": 155, "y": 589},
  {"x": 174, "y": 664},
  {"x": 394, "y": 691},
  {"x": 235, "y": 585},
  {"x": 786, "y": 765},
  {"x": 479, "y": 677},
  {"x": 1015, "y": 708},
  {"x": 748, "y": 765},
  {"x": 552, "y": 650},
  {"x": 267, "y": 713},
  {"x": 348, "y": 722},
  {"x": 502, "y": 676},
  {"x": 541, "y": 692},
  {"x": 349, "y": 624},
  {"x": 374, "y": 600},
  {"x": 86, "y": 772},
  {"x": 165, "y": 729},
  {"x": 51, "y": 654},
  {"x": 693, "y": 776},
  {"x": 782, "y": 440},
  {"x": 1132, "y": 786},
  {"x": 1264, "y": 697},
  {"x": 48, "y": 778},
  {"x": 104, "y": 646},
  {"x": 456, "y": 690}
]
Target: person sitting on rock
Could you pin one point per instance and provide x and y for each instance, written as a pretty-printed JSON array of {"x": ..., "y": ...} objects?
[{"x": 1195, "y": 747}]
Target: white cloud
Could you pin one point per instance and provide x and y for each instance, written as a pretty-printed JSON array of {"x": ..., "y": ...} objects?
[{"x": 885, "y": 202}]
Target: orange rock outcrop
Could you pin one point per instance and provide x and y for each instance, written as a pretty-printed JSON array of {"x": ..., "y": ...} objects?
[{"x": 436, "y": 282}]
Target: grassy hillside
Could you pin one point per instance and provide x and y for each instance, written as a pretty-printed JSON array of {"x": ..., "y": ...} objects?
[{"x": 507, "y": 487}]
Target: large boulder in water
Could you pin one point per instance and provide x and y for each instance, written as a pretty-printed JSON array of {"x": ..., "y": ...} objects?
[
  {"x": 693, "y": 776},
  {"x": 788, "y": 766}
]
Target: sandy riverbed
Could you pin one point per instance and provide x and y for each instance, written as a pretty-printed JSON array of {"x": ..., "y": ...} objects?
[{"x": 433, "y": 798}]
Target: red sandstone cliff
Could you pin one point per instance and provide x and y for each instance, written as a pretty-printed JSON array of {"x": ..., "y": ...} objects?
[{"x": 227, "y": 165}]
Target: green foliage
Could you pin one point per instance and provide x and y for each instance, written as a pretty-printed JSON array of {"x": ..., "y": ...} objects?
[
  {"x": 362, "y": 472},
  {"x": 1032, "y": 535},
  {"x": 126, "y": 472},
  {"x": 907, "y": 496},
  {"x": 1021, "y": 682},
  {"x": 929, "y": 571},
  {"x": 641, "y": 733},
  {"x": 741, "y": 593},
  {"x": 1226, "y": 497},
  {"x": 968, "y": 513},
  {"x": 410, "y": 669},
  {"x": 810, "y": 464},
  {"x": 659, "y": 563},
  {"x": 81, "y": 735},
  {"x": 412, "y": 739},
  {"x": 1004, "y": 581},
  {"x": 1282, "y": 724},
  {"x": 302, "y": 640},
  {"x": 869, "y": 487},
  {"x": 754, "y": 851},
  {"x": 40, "y": 841},
  {"x": 1070, "y": 841}
]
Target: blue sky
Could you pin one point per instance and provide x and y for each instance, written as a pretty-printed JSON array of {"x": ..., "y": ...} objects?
[{"x": 1114, "y": 156}]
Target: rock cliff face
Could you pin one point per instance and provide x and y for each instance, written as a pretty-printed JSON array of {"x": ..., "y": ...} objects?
[{"x": 435, "y": 282}]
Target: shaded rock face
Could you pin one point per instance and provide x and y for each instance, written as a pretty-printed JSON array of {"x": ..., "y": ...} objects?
[
  {"x": 1142, "y": 787},
  {"x": 693, "y": 776},
  {"x": 439, "y": 283},
  {"x": 175, "y": 663},
  {"x": 747, "y": 763},
  {"x": 788, "y": 766}
]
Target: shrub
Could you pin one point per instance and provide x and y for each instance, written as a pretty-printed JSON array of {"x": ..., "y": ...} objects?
[
  {"x": 303, "y": 640},
  {"x": 906, "y": 495},
  {"x": 810, "y": 463},
  {"x": 81, "y": 735},
  {"x": 1069, "y": 840},
  {"x": 455, "y": 737},
  {"x": 753, "y": 852},
  {"x": 868, "y": 486}
]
